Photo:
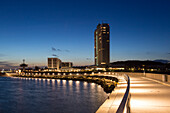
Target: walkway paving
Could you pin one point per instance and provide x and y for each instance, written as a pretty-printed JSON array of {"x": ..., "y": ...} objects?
[
  {"x": 115, "y": 98},
  {"x": 149, "y": 96}
]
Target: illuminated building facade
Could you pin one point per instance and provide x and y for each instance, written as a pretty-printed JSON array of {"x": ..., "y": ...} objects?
[
  {"x": 66, "y": 64},
  {"x": 102, "y": 45},
  {"x": 54, "y": 63}
]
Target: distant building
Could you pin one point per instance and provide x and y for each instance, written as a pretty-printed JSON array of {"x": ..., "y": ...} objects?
[
  {"x": 66, "y": 64},
  {"x": 102, "y": 45},
  {"x": 54, "y": 63}
]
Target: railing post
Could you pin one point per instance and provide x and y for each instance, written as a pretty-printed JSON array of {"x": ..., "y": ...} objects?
[{"x": 164, "y": 78}]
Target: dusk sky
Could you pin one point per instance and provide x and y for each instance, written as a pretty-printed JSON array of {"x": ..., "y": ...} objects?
[{"x": 36, "y": 29}]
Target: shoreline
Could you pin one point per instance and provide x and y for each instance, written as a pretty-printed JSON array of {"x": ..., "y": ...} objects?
[{"x": 107, "y": 83}]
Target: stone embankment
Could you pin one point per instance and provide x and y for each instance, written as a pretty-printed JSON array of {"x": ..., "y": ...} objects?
[{"x": 107, "y": 83}]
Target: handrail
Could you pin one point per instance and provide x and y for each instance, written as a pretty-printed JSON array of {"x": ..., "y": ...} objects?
[{"x": 124, "y": 105}]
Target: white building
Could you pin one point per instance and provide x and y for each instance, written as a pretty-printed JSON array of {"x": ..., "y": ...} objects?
[{"x": 54, "y": 63}]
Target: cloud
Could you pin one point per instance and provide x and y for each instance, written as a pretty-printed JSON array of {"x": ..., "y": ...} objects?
[
  {"x": 7, "y": 65},
  {"x": 4, "y": 63},
  {"x": 55, "y": 55},
  {"x": 53, "y": 49},
  {"x": 59, "y": 50},
  {"x": 88, "y": 58},
  {"x": 169, "y": 53}
]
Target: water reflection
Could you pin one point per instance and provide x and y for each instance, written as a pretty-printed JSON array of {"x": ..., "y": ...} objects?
[
  {"x": 52, "y": 95},
  {"x": 70, "y": 82},
  {"x": 48, "y": 81},
  {"x": 85, "y": 85},
  {"x": 77, "y": 84},
  {"x": 58, "y": 81},
  {"x": 64, "y": 82}
]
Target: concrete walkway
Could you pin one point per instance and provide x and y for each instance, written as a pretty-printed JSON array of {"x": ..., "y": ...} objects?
[
  {"x": 112, "y": 103},
  {"x": 149, "y": 96}
]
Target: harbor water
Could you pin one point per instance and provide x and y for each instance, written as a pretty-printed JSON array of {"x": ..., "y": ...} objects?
[{"x": 36, "y": 95}]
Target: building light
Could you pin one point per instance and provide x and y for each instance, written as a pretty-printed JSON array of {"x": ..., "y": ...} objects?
[
  {"x": 103, "y": 62},
  {"x": 107, "y": 40}
]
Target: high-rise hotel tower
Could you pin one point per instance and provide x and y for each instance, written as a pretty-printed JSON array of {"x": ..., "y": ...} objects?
[{"x": 102, "y": 45}]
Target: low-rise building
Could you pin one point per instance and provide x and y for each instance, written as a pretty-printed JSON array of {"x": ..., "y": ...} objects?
[
  {"x": 54, "y": 63},
  {"x": 66, "y": 66}
]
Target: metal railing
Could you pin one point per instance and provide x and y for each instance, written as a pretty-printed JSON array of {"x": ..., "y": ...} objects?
[{"x": 124, "y": 106}]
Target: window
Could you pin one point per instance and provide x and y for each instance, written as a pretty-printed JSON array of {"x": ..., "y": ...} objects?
[{"x": 103, "y": 62}]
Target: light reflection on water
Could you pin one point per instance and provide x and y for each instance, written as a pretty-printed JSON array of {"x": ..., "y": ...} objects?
[{"x": 32, "y": 95}]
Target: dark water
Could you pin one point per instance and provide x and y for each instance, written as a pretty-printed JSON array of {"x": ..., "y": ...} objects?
[{"x": 27, "y": 95}]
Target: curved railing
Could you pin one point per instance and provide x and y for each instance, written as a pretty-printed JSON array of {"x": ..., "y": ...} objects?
[{"x": 124, "y": 106}]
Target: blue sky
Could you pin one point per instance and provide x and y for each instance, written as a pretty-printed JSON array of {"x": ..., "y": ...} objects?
[{"x": 29, "y": 29}]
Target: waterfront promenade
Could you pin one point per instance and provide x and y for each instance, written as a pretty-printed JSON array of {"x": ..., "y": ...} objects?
[{"x": 147, "y": 96}]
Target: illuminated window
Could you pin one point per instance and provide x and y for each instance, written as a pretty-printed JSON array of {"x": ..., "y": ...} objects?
[
  {"x": 103, "y": 62},
  {"x": 107, "y": 32},
  {"x": 104, "y": 32},
  {"x": 107, "y": 40}
]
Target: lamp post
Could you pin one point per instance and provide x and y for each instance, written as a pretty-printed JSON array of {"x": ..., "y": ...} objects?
[{"x": 144, "y": 70}]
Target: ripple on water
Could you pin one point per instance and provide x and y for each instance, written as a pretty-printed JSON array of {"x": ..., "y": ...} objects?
[{"x": 25, "y": 95}]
